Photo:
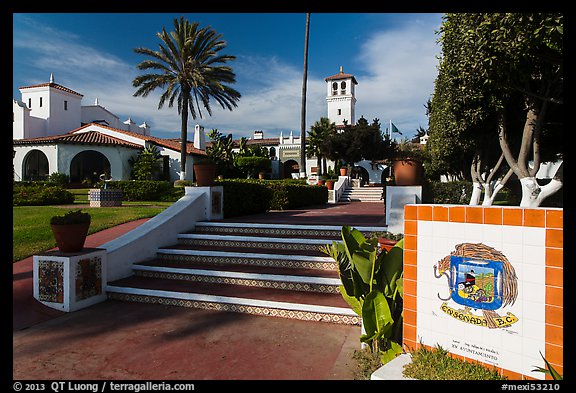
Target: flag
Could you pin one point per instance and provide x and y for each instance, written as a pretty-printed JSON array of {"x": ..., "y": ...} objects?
[{"x": 395, "y": 129}]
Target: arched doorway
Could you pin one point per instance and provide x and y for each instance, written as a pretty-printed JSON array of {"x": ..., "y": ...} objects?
[
  {"x": 35, "y": 166},
  {"x": 87, "y": 166},
  {"x": 290, "y": 167},
  {"x": 359, "y": 172}
]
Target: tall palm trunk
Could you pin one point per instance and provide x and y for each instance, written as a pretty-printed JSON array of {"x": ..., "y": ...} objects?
[
  {"x": 184, "y": 136},
  {"x": 303, "y": 111}
]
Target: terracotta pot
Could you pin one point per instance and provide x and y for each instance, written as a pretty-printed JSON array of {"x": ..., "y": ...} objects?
[
  {"x": 407, "y": 172},
  {"x": 204, "y": 174},
  {"x": 70, "y": 237},
  {"x": 321, "y": 182},
  {"x": 343, "y": 171},
  {"x": 386, "y": 244},
  {"x": 330, "y": 184}
]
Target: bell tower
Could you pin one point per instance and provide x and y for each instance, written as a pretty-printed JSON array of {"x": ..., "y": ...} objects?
[{"x": 340, "y": 97}]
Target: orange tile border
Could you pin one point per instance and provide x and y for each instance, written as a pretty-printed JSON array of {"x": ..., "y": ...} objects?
[
  {"x": 425, "y": 213},
  {"x": 554, "y": 335},
  {"x": 410, "y": 317},
  {"x": 409, "y": 333},
  {"x": 410, "y": 257},
  {"x": 554, "y": 354},
  {"x": 439, "y": 213},
  {"x": 410, "y": 272},
  {"x": 456, "y": 214},
  {"x": 554, "y": 218},
  {"x": 410, "y": 242},
  {"x": 410, "y": 212},
  {"x": 512, "y": 217},
  {"x": 555, "y": 257},
  {"x": 409, "y": 302},
  {"x": 474, "y": 214},
  {"x": 554, "y": 276},
  {"x": 410, "y": 287},
  {"x": 554, "y": 296},
  {"x": 554, "y": 238},
  {"x": 554, "y": 315},
  {"x": 534, "y": 218},
  {"x": 493, "y": 215},
  {"x": 410, "y": 227}
]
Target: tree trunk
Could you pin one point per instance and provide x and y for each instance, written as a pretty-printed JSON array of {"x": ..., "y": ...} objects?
[
  {"x": 533, "y": 194},
  {"x": 303, "y": 109},
  {"x": 476, "y": 193},
  {"x": 184, "y": 136}
]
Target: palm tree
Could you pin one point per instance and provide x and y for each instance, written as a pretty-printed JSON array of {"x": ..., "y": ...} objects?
[
  {"x": 318, "y": 133},
  {"x": 191, "y": 70},
  {"x": 303, "y": 110}
]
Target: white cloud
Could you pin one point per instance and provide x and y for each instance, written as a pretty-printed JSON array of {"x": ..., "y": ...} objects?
[
  {"x": 396, "y": 79},
  {"x": 400, "y": 69}
]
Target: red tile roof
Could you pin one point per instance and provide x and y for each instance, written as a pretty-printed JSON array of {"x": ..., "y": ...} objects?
[
  {"x": 79, "y": 137},
  {"x": 83, "y": 138},
  {"x": 341, "y": 75},
  {"x": 55, "y": 86}
]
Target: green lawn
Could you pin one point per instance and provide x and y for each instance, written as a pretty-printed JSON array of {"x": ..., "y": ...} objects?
[{"x": 31, "y": 224}]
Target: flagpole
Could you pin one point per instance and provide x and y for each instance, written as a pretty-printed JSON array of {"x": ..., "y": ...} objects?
[{"x": 390, "y": 132}]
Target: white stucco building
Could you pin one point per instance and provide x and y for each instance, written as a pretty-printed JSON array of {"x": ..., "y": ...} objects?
[{"x": 54, "y": 132}]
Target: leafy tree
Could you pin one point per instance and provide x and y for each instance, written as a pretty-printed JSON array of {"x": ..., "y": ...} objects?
[
  {"x": 500, "y": 86},
  {"x": 191, "y": 70},
  {"x": 146, "y": 164},
  {"x": 319, "y": 132},
  {"x": 221, "y": 151},
  {"x": 358, "y": 142}
]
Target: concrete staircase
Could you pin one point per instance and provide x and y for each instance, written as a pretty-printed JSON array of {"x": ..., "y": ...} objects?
[
  {"x": 265, "y": 269},
  {"x": 362, "y": 194}
]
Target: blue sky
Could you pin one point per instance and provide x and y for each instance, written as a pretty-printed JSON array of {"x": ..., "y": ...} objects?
[{"x": 392, "y": 56}]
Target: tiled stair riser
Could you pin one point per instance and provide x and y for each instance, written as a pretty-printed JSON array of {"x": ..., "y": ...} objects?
[{"x": 264, "y": 311}]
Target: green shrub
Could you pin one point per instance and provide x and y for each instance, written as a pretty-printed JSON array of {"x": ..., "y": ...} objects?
[
  {"x": 453, "y": 193},
  {"x": 184, "y": 183},
  {"x": 242, "y": 197},
  {"x": 59, "y": 179},
  {"x": 251, "y": 196},
  {"x": 251, "y": 166},
  {"x": 40, "y": 195},
  {"x": 143, "y": 190}
]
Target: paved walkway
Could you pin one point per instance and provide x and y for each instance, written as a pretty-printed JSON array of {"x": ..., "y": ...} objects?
[{"x": 120, "y": 340}]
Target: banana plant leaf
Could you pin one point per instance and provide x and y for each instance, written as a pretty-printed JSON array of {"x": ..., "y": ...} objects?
[
  {"x": 376, "y": 314},
  {"x": 360, "y": 252}
]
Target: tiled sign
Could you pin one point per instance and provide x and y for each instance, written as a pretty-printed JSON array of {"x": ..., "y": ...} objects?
[{"x": 486, "y": 284}]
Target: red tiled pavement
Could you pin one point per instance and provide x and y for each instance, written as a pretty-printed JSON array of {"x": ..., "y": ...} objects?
[{"x": 121, "y": 340}]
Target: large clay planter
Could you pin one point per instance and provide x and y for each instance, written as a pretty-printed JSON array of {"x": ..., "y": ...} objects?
[
  {"x": 70, "y": 237},
  {"x": 407, "y": 172},
  {"x": 330, "y": 184},
  {"x": 343, "y": 171},
  {"x": 386, "y": 244},
  {"x": 204, "y": 174}
]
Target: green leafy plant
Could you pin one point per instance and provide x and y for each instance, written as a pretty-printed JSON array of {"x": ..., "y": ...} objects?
[
  {"x": 549, "y": 370},
  {"x": 70, "y": 218},
  {"x": 146, "y": 165},
  {"x": 372, "y": 286}
]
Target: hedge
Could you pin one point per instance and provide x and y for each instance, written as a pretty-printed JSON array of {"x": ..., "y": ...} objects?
[
  {"x": 40, "y": 195},
  {"x": 251, "y": 196},
  {"x": 143, "y": 190},
  {"x": 453, "y": 193}
]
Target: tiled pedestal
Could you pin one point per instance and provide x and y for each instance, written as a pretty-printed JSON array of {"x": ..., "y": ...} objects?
[{"x": 70, "y": 281}]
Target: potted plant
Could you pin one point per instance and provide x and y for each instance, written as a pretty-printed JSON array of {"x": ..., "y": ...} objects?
[
  {"x": 70, "y": 230},
  {"x": 387, "y": 240},
  {"x": 204, "y": 171},
  {"x": 407, "y": 163}
]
